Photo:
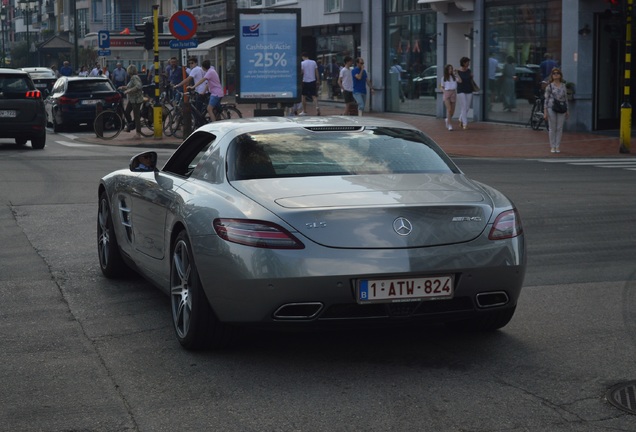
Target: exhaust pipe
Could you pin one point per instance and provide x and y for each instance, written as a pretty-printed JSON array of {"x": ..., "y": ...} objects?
[
  {"x": 492, "y": 299},
  {"x": 298, "y": 311}
]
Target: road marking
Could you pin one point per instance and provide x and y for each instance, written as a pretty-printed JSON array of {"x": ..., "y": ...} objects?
[
  {"x": 75, "y": 144},
  {"x": 613, "y": 163}
]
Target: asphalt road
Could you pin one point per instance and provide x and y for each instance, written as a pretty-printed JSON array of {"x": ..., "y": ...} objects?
[{"x": 82, "y": 353}]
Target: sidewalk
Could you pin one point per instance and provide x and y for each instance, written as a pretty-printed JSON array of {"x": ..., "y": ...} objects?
[{"x": 482, "y": 139}]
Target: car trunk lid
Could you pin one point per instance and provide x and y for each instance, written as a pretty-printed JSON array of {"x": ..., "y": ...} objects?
[{"x": 377, "y": 211}]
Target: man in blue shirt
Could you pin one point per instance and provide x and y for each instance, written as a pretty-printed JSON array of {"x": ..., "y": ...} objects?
[
  {"x": 119, "y": 76},
  {"x": 360, "y": 82},
  {"x": 66, "y": 69}
]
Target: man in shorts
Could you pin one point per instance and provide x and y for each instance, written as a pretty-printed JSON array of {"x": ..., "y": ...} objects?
[
  {"x": 311, "y": 81},
  {"x": 345, "y": 81},
  {"x": 214, "y": 88}
]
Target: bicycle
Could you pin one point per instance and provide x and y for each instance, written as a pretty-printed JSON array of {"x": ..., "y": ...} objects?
[
  {"x": 536, "y": 115},
  {"x": 199, "y": 114},
  {"x": 110, "y": 122}
]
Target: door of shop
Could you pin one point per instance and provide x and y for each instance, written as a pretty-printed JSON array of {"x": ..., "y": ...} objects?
[{"x": 609, "y": 73}]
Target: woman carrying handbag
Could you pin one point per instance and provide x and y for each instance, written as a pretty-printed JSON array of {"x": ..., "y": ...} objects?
[{"x": 556, "y": 108}]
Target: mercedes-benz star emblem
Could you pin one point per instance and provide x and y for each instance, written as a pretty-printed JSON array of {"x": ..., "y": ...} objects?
[{"x": 402, "y": 226}]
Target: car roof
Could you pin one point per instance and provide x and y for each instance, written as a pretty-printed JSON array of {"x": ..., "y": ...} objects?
[
  {"x": 38, "y": 69},
  {"x": 81, "y": 78},
  {"x": 319, "y": 124},
  {"x": 13, "y": 71}
]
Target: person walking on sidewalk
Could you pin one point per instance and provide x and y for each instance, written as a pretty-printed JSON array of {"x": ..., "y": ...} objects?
[
  {"x": 134, "y": 91},
  {"x": 345, "y": 81},
  {"x": 464, "y": 90},
  {"x": 360, "y": 82},
  {"x": 555, "y": 94},
  {"x": 449, "y": 85},
  {"x": 311, "y": 81}
]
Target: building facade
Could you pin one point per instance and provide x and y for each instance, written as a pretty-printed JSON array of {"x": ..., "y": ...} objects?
[{"x": 406, "y": 43}]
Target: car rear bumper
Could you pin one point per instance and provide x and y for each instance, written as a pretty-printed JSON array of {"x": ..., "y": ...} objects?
[{"x": 323, "y": 288}]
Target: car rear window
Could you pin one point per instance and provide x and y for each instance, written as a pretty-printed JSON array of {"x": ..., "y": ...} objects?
[
  {"x": 89, "y": 86},
  {"x": 15, "y": 86},
  {"x": 303, "y": 152}
]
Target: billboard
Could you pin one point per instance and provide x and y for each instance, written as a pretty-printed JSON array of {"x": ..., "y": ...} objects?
[{"x": 268, "y": 55}]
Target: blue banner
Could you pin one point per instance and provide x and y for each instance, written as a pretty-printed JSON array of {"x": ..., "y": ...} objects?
[{"x": 268, "y": 60}]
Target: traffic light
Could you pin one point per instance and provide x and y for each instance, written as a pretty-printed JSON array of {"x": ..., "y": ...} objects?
[{"x": 148, "y": 29}]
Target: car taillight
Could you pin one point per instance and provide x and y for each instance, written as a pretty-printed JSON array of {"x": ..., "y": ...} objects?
[
  {"x": 33, "y": 94},
  {"x": 256, "y": 234},
  {"x": 67, "y": 101},
  {"x": 507, "y": 225},
  {"x": 113, "y": 99}
]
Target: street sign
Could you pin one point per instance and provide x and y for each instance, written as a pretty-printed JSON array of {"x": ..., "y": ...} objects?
[
  {"x": 103, "y": 52},
  {"x": 183, "y": 25},
  {"x": 184, "y": 44},
  {"x": 103, "y": 39}
]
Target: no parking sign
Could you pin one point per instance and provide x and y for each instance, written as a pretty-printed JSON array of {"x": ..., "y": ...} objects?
[{"x": 183, "y": 25}]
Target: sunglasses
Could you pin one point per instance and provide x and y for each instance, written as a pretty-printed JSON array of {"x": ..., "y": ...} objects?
[{"x": 556, "y": 73}]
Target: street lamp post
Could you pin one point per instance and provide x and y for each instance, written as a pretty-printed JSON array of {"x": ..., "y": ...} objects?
[
  {"x": 3, "y": 17},
  {"x": 28, "y": 6}
]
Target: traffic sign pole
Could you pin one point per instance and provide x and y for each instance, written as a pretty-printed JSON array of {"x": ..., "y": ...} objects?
[{"x": 157, "y": 120}]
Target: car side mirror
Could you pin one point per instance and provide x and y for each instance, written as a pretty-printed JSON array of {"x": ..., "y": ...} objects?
[{"x": 144, "y": 162}]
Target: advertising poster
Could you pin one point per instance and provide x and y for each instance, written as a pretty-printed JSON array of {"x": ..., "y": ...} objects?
[{"x": 268, "y": 57}]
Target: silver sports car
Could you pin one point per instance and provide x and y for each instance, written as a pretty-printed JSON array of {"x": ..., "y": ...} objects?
[{"x": 312, "y": 221}]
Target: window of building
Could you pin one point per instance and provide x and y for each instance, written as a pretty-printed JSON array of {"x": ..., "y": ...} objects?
[
  {"x": 332, "y": 5},
  {"x": 411, "y": 74},
  {"x": 523, "y": 41}
]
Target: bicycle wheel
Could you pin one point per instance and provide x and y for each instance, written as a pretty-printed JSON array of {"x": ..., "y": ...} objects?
[
  {"x": 179, "y": 126},
  {"x": 230, "y": 112},
  {"x": 147, "y": 128},
  {"x": 168, "y": 123},
  {"x": 536, "y": 116},
  {"x": 108, "y": 124}
]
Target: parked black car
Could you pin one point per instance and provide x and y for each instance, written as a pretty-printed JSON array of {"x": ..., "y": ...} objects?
[
  {"x": 73, "y": 100},
  {"x": 22, "y": 114},
  {"x": 42, "y": 77}
]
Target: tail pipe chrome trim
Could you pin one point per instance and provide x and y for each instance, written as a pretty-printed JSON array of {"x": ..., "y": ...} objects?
[
  {"x": 298, "y": 311},
  {"x": 492, "y": 299}
]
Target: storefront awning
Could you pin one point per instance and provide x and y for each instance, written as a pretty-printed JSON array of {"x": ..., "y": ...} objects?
[{"x": 209, "y": 44}]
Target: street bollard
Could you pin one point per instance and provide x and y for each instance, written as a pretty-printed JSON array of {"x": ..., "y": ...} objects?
[
  {"x": 99, "y": 126},
  {"x": 187, "y": 118}
]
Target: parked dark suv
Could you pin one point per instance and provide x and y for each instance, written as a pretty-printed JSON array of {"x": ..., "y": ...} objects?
[
  {"x": 73, "y": 100},
  {"x": 22, "y": 113}
]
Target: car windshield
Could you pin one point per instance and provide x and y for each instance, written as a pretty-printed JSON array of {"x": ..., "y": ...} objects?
[
  {"x": 82, "y": 86},
  {"x": 304, "y": 152},
  {"x": 42, "y": 74}
]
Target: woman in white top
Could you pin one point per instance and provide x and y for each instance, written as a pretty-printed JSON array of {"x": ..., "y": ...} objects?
[{"x": 449, "y": 85}]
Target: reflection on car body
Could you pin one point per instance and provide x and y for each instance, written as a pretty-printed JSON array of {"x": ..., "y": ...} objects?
[{"x": 313, "y": 221}]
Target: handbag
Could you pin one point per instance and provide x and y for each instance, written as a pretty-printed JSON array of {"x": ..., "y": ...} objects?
[
  {"x": 557, "y": 105},
  {"x": 475, "y": 86}
]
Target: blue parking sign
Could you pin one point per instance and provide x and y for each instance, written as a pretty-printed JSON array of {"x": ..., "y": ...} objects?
[{"x": 103, "y": 39}]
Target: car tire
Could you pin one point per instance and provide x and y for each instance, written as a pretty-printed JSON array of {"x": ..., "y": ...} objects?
[
  {"x": 38, "y": 143},
  {"x": 110, "y": 259},
  {"x": 56, "y": 126},
  {"x": 486, "y": 321},
  {"x": 194, "y": 321}
]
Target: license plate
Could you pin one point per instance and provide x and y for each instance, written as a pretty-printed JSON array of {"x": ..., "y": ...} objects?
[
  {"x": 404, "y": 289},
  {"x": 8, "y": 113},
  {"x": 92, "y": 102},
  {"x": 40, "y": 85}
]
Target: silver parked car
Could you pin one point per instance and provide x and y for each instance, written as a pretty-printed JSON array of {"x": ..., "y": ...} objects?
[{"x": 312, "y": 220}]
